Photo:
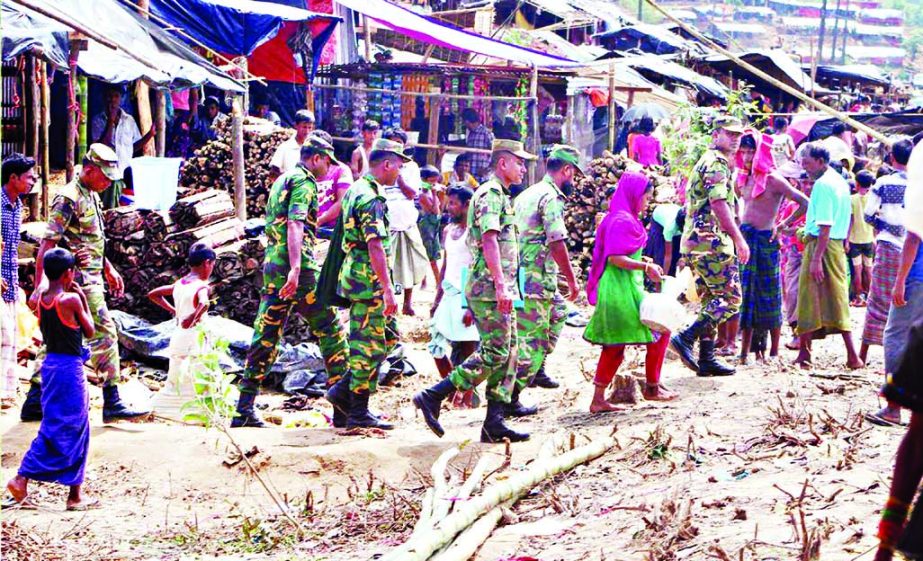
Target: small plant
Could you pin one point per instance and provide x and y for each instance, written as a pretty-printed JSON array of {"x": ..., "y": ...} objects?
[{"x": 213, "y": 404}]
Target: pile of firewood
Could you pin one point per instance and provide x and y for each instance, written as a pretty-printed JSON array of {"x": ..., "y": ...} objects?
[
  {"x": 211, "y": 165},
  {"x": 590, "y": 200}
]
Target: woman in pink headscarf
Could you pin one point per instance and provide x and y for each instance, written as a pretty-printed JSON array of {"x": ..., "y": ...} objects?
[{"x": 616, "y": 287}]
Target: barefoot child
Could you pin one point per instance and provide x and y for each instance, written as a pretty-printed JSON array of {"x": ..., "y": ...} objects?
[
  {"x": 190, "y": 297},
  {"x": 59, "y": 452}
]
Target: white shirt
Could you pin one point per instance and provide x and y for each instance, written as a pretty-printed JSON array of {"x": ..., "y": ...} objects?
[
  {"x": 287, "y": 155},
  {"x": 913, "y": 198},
  {"x": 402, "y": 212},
  {"x": 124, "y": 136}
]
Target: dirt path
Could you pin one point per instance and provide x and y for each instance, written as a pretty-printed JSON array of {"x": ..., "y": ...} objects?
[{"x": 721, "y": 470}]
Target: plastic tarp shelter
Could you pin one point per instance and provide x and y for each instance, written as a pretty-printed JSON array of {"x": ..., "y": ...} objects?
[
  {"x": 865, "y": 73},
  {"x": 773, "y": 62},
  {"x": 238, "y": 27},
  {"x": 648, "y": 38},
  {"x": 155, "y": 57},
  {"x": 428, "y": 30},
  {"x": 676, "y": 72}
]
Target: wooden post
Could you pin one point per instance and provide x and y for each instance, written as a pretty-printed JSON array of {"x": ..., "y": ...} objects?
[
  {"x": 237, "y": 153},
  {"x": 367, "y": 39},
  {"x": 46, "y": 119},
  {"x": 160, "y": 116},
  {"x": 535, "y": 133},
  {"x": 35, "y": 130},
  {"x": 611, "y": 106},
  {"x": 435, "y": 108},
  {"x": 245, "y": 110},
  {"x": 569, "y": 137},
  {"x": 143, "y": 94}
]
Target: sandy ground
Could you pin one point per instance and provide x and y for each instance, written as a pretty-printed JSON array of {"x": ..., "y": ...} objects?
[{"x": 725, "y": 472}]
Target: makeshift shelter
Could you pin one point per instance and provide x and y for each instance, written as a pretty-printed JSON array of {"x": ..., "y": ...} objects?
[
  {"x": 858, "y": 76},
  {"x": 774, "y": 63},
  {"x": 876, "y": 55},
  {"x": 734, "y": 30},
  {"x": 104, "y": 39},
  {"x": 665, "y": 72},
  {"x": 646, "y": 38}
]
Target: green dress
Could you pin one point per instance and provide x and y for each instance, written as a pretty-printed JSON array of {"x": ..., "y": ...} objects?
[{"x": 617, "y": 318}]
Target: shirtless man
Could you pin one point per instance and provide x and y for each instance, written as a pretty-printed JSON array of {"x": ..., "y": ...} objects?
[
  {"x": 762, "y": 190},
  {"x": 359, "y": 161}
]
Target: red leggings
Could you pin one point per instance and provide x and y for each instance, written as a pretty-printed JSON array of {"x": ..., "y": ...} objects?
[{"x": 612, "y": 356}]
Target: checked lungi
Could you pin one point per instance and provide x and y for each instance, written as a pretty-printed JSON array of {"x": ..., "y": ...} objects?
[
  {"x": 761, "y": 283},
  {"x": 884, "y": 276}
]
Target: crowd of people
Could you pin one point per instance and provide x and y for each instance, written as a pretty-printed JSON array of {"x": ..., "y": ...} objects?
[{"x": 775, "y": 234}]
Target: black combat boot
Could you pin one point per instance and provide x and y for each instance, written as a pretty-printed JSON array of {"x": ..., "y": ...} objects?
[
  {"x": 708, "y": 364},
  {"x": 494, "y": 430},
  {"x": 429, "y": 402},
  {"x": 115, "y": 410},
  {"x": 359, "y": 416},
  {"x": 246, "y": 414},
  {"x": 338, "y": 396},
  {"x": 515, "y": 408},
  {"x": 683, "y": 343},
  {"x": 542, "y": 380},
  {"x": 32, "y": 406}
]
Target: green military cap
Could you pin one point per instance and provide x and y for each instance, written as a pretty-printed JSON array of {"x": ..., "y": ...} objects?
[
  {"x": 105, "y": 159},
  {"x": 730, "y": 124},
  {"x": 567, "y": 154},
  {"x": 317, "y": 145},
  {"x": 514, "y": 147},
  {"x": 396, "y": 148}
]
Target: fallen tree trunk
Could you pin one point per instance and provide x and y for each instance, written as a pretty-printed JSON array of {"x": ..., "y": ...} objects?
[{"x": 423, "y": 546}]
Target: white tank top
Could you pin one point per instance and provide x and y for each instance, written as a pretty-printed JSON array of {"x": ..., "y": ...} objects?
[
  {"x": 365, "y": 161},
  {"x": 184, "y": 297},
  {"x": 457, "y": 257}
]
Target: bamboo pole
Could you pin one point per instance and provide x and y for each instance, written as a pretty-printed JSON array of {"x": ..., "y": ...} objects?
[
  {"x": 439, "y": 147},
  {"x": 46, "y": 120},
  {"x": 535, "y": 134},
  {"x": 35, "y": 130},
  {"x": 82, "y": 125},
  {"x": 439, "y": 95},
  {"x": 237, "y": 154},
  {"x": 71, "y": 140},
  {"x": 367, "y": 38},
  {"x": 779, "y": 84},
  {"x": 612, "y": 107}
]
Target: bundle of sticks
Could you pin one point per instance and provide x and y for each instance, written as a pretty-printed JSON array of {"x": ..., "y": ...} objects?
[{"x": 211, "y": 166}]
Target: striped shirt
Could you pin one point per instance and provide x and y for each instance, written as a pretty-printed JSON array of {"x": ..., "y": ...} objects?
[
  {"x": 482, "y": 138},
  {"x": 884, "y": 208},
  {"x": 9, "y": 228}
]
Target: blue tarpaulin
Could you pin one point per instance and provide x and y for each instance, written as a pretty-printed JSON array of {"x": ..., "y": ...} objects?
[
  {"x": 143, "y": 50},
  {"x": 237, "y": 27}
]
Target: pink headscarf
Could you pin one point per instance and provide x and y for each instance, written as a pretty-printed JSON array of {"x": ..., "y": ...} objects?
[
  {"x": 763, "y": 163},
  {"x": 621, "y": 231}
]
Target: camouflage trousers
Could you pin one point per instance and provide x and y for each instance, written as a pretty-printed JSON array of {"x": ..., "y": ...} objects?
[
  {"x": 268, "y": 328},
  {"x": 371, "y": 338},
  {"x": 495, "y": 359},
  {"x": 103, "y": 345},
  {"x": 717, "y": 282},
  {"x": 538, "y": 326}
]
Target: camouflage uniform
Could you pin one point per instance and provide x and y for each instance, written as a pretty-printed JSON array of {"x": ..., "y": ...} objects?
[
  {"x": 292, "y": 197},
  {"x": 76, "y": 223},
  {"x": 706, "y": 247},
  {"x": 491, "y": 210},
  {"x": 371, "y": 333},
  {"x": 430, "y": 226},
  {"x": 540, "y": 220}
]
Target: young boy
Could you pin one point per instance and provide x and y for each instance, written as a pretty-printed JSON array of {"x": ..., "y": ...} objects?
[
  {"x": 430, "y": 219},
  {"x": 190, "y": 297},
  {"x": 59, "y": 452},
  {"x": 453, "y": 335},
  {"x": 861, "y": 239}
]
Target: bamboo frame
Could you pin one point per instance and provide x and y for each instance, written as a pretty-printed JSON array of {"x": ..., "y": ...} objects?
[
  {"x": 46, "y": 121},
  {"x": 237, "y": 154},
  {"x": 422, "y": 94},
  {"x": 781, "y": 85}
]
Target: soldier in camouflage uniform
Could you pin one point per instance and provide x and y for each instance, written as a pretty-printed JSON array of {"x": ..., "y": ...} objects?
[
  {"x": 542, "y": 253},
  {"x": 491, "y": 288},
  {"x": 365, "y": 280},
  {"x": 76, "y": 222},
  {"x": 290, "y": 280},
  {"x": 708, "y": 246}
]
